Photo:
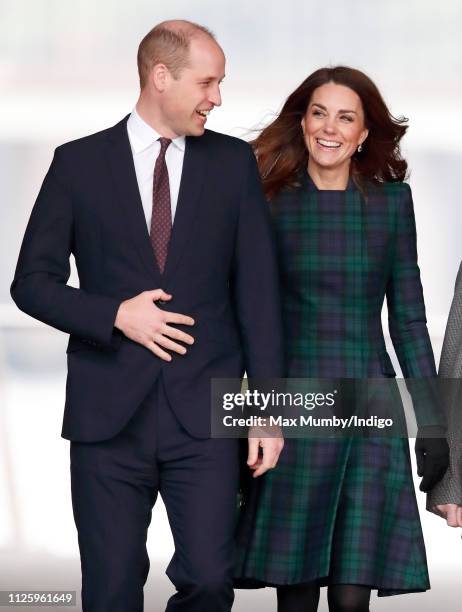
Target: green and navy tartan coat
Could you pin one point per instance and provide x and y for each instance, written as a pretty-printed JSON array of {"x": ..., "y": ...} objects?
[{"x": 343, "y": 510}]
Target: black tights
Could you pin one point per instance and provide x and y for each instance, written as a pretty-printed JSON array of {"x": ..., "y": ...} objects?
[{"x": 341, "y": 598}]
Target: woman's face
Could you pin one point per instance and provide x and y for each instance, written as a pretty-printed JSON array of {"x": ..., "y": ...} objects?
[{"x": 333, "y": 126}]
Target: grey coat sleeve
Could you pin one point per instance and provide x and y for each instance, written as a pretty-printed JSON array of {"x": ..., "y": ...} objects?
[{"x": 449, "y": 489}]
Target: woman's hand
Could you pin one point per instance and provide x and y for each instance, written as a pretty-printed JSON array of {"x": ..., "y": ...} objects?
[
  {"x": 451, "y": 512},
  {"x": 432, "y": 454}
]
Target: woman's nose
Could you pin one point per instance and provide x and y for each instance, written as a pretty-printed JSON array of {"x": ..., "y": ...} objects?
[{"x": 329, "y": 127}]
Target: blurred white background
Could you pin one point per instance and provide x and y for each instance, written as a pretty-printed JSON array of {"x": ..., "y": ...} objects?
[{"x": 68, "y": 69}]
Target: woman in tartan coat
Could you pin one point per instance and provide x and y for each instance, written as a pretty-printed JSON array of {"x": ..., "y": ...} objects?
[{"x": 340, "y": 512}]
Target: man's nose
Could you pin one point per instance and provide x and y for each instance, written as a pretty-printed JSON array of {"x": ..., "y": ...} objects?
[{"x": 215, "y": 96}]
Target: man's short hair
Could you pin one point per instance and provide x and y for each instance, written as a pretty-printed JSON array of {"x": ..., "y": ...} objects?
[{"x": 168, "y": 43}]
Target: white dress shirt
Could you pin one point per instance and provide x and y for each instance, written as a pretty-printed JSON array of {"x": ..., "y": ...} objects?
[{"x": 145, "y": 149}]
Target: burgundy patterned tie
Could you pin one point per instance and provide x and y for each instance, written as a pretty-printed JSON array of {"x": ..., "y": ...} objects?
[{"x": 161, "y": 219}]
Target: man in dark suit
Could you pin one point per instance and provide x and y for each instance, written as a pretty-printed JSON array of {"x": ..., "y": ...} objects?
[{"x": 160, "y": 215}]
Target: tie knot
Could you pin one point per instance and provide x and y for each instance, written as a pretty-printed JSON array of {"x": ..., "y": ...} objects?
[{"x": 164, "y": 142}]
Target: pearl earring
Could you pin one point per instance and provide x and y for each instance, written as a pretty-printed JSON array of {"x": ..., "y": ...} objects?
[{"x": 360, "y": 148}]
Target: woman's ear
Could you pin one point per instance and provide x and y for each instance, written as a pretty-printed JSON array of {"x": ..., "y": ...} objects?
[{"x": 364, "y": 135}]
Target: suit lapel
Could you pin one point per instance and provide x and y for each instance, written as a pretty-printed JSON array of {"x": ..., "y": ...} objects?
[
  {"x": 194, "y": 164},
  {"x": 128, "y": 197}
]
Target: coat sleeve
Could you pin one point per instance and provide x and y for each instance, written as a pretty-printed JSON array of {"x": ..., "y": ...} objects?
[
  {"x": 449, "y": 489},
  {"x": 256, "y": 281},
  {"x": 39, "y": 287},
  {"x": 406, "y": 309},
  {"x": 451, "y": 353},
  {"x": 407, "y": 319}
]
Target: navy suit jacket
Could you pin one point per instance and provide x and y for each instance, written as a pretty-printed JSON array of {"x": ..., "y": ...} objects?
[{"x": 221, "y": 270}]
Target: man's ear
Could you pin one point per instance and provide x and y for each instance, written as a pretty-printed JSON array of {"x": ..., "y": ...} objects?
[{"x": 159, "y": 76}]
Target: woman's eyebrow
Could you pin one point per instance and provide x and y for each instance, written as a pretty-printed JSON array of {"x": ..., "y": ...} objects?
[{"x": 340, "y": 111}]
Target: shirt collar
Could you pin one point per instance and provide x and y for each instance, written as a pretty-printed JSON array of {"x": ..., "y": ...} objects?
[{"x": 143, "y": 135}]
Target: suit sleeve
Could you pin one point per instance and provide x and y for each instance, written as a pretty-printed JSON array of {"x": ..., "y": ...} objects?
[
  {"x": 39, "y": 287},
  {"x": 256, "y": 282},
  {"x": 407, "y": 320}
]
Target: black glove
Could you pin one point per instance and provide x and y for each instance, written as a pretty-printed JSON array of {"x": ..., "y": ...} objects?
[{"x": 432, "y": 455}]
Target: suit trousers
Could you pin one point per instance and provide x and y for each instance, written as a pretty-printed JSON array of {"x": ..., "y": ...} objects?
[{"x": 115, "y": 484}]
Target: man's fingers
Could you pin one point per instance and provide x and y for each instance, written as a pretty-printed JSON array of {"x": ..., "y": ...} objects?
[
  {"x": 254, "y": 445},
  {"x": 265, "y": 465},
  {"x": 177, "y": 334},
  {"x": 179, "y": 319},
  {"x": 163, "y": 341},
  {"x": 259, "y": 471},
  {"x": 275, "y": 460},
  {"x": 159, "y": 294},
  {"x": 271, "y": 450},
  {"x": 279, "y": 448},
  {"x": 271, "y": 447},
  {"x": 152, "y": 346}
]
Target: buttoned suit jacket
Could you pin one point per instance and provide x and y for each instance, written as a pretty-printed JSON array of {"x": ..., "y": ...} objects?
[{"x": 221, "y": 270}]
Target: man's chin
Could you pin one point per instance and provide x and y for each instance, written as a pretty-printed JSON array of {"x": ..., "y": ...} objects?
[
  {"x": 197, "y": 130},
  {"x": 196, "y": 127}
]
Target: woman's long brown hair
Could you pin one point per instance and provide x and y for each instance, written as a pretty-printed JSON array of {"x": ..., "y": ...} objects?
[{"x": 281, "y": 149}]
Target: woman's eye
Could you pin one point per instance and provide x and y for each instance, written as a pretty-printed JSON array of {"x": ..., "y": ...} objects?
[
  {"x": 318, "y": 113},
  {"x": 347, "y": 118}
]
